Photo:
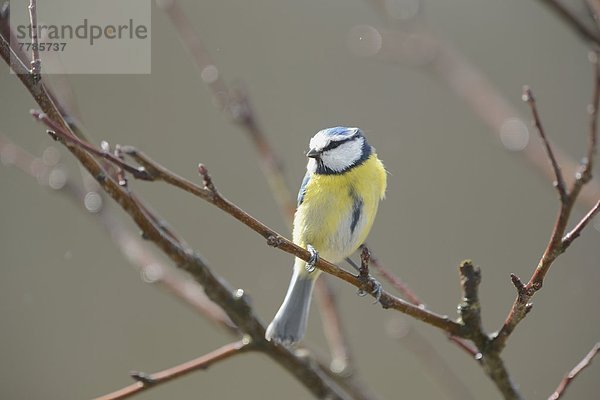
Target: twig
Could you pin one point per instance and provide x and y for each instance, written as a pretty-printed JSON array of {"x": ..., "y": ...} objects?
[
  {"x": 559, "y": 241},
  {"x": 576, "y": 231},
  {"x": 36, "y": 63},
  {"x": 470, "y": 308},
  {"x": 147, "y": 381},
  {"x": 6, "y": 31},
  {"x": 584, "y": 175},
  {"x": 568, "y": 379},
  {"x": 365, "y": 258},
  {"x": 58, "y": 133},
  {"x": 559, "y": 182},
  {"x": 572, "y": 21}
]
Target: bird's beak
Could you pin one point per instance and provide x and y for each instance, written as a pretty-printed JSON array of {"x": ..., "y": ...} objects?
[{"x": 312, "y": 153}]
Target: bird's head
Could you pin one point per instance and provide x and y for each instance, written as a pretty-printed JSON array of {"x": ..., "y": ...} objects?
[{"x": 336, "y": 150}]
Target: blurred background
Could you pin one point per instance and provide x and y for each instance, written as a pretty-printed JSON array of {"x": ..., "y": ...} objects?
[{"x": 76, "y": 317}]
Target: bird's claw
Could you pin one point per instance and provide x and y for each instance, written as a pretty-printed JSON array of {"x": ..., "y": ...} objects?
[
  {"x": 377, "y": 290},
  {"x": 314, "y": 258}
]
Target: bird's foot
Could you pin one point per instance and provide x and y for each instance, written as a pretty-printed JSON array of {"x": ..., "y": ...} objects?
[
  {"x": 314, "y": 258},
  {"x": 377, "y": 289}
]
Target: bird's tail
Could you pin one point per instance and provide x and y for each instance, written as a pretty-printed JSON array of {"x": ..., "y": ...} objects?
[{"x": 289, "y": 324}]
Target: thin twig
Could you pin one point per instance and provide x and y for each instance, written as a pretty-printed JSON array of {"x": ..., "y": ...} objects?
[
  {"x": 147, "y": 381},
  {"x": 568, "y": 379},
  {"x": 7, "y": 32},
  {"x": 58, "y": 133},
  {"x": 36, "y": 63},
  {"x": 584, "y": 174},
  {"x": 576, "y": 231},
  {"x": 559, "y": 241},
  {"x": 559, "y": 182},
  {"x": 365, "y": 259}
]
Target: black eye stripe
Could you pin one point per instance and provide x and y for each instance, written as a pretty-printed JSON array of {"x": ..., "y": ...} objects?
[{"x": 333, "y": 145}]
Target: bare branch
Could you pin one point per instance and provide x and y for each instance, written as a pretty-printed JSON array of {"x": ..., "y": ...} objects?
[
  {"x": 559, "y": 182},
  {"x": 576, "y": 231},
  {"x": 36, "y": 63},
  {"x": 147, "y": 381},
  {"x": 470, "y": 308},
  {"x": 559, "y": 241},
  {"x": 7, "y": 32},
  {"x": 568, "y": 379},
  {"x": 365, "y": 259},
  {"x": 593, "y": 129},
  {"x": 470, "y": 312},
  {"x": 584, "y": 174},
  {"x": 59, "y": 133}
]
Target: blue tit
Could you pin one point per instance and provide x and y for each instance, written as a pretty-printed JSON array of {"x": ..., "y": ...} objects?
[{"x": 337, "y": 203}]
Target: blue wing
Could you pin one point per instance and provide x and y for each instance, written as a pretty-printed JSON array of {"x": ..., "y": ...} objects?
[{"x": 303, "y": 188}]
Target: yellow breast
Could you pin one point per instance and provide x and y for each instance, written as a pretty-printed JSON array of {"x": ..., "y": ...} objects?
[{"x": 337, "y": 211}]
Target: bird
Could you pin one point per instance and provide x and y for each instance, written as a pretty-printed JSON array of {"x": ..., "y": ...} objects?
[{"x": 337, "y": 204}]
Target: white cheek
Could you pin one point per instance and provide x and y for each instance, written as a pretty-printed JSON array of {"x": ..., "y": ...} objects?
[{"x": 342, "y": 157}]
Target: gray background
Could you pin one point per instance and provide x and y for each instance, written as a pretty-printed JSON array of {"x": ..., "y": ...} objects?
[{"x": 75, "y": 317}]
